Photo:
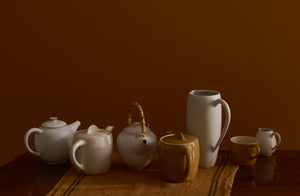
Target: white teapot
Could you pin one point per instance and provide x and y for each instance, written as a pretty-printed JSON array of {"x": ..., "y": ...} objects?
[
  {"x": 92, "y": 150},
  {"x": 136, "y": 143},
  {"x": 52, "y": 140}
]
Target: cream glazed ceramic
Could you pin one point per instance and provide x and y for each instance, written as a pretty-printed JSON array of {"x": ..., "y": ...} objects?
[
  {"x": 92, "y": 149},
  {"x": 136, "y": 143},
  {"x": 267, "y": 141},
  {"x": 204, "y": 120},
  {"x": 52, "y": 140}
]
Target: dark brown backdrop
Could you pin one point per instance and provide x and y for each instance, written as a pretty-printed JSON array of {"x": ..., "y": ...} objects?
[{"x": 87, "y": 60}]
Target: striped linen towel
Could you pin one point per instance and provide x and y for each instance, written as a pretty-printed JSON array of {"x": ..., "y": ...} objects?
[{"x": 121, "y": 181}]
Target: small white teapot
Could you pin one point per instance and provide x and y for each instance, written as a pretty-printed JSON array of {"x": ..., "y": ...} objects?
[
  {"x": 92, "y": 150},
  {"x": 52, "y": 140},
  {"x": 267, "y": 141},
  {"x": 136, "y": 143}
]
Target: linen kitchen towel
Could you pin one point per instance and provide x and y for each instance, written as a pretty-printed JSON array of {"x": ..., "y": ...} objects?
[{"x": 122, "y": 181}]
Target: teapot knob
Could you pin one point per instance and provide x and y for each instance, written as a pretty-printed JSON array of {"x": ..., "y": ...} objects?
[
  {"x": 180, "y": 136},
  {"x": 53, "y": 118}
]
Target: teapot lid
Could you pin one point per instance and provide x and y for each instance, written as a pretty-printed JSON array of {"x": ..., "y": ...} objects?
[
  {"x": 92, "y": 132},
  {"x": 53, "y": 123},
  {"x": 178, "y": 138}
]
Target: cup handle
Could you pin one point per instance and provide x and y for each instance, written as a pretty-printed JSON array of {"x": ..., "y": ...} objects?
[
  {"x": 188, "y": 165},
  {"x": 72, "y": 152},
  {"x": 276, "y": 134},
  {"x": 26, "y": 137},
  {"x": 226, "y": 124},
  {"x": 257, "y": 152}
]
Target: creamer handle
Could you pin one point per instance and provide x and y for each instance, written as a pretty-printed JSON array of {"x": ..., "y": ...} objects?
[
  {"x": 26, "y": 137},
  {"x": 276, "y": 134},
  {"x": 226, "y": 124},
  {"x": 72, "y": 153}
]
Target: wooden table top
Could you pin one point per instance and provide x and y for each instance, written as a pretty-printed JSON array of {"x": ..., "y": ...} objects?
[{"x": 278, "y": 174}]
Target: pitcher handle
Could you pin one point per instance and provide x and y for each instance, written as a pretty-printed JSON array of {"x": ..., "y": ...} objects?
[
  {"x": 72, "y": 152},
  {"x": 26, "y": 137},
  {"x": 276, "y": 134},
  {"x": 227, "y": 121}
]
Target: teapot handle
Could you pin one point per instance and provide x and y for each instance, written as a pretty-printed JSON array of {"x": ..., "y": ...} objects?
[
  {"x": 28, "y": 133},
  {"x": 72, "y": 152},
  {"x": 140, "y": 110}
]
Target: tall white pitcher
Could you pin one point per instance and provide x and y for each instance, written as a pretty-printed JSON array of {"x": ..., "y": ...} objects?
[{"x": 204, "y": 120}]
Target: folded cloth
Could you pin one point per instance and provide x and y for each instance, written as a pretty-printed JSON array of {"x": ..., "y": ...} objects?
[{"x": 122, "y": 181}]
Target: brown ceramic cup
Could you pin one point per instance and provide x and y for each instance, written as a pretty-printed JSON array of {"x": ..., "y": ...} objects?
[
  {"x": 244, "y": 150},
  {"x": 178, "y": 157}
]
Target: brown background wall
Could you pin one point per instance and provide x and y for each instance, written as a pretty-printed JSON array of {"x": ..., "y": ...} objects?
[{"x": 87, "y": 60}]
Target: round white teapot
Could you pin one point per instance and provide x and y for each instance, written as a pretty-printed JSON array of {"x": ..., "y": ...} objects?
[
  {"x": 52, "y": 140},
  {"x": 136, "y": 143}
]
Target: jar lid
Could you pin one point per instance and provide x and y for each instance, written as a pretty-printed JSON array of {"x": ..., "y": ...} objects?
[
  {"x": 53, "y": 123},
  {"x": 178, "y": 138}
]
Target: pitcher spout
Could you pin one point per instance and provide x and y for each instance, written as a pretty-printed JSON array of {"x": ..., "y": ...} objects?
[{"x": 74, "y": 126}]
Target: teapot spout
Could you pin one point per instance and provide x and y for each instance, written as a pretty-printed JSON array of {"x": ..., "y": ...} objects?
[
  {"x": 109, "y": 128},
  {"x": 74, "y": 126},
  {"x": 143, "y": 146}
]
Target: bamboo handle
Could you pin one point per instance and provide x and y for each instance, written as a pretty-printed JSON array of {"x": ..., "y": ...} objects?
[{"x": 140, "y": 110}]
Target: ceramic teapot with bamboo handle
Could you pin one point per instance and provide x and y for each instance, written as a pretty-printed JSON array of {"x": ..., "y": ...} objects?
[{"x": 136, "y": 144}]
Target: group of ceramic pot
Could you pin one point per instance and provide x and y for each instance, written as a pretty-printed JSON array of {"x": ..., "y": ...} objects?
[{"x": 90, "y": 150}]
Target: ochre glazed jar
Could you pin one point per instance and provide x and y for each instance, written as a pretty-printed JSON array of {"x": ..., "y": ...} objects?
[{"x": 178, "y": 157}]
